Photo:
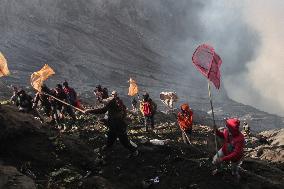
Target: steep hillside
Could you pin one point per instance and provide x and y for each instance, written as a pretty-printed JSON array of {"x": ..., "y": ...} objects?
[{"x": 106, "y": 42}]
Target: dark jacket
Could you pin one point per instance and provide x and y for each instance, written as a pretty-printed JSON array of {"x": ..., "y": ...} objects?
[
  {"x": 115, "y": 108},
  {"x": 116, "y": 114},
  {"x": 24, "y": 102},
  {"x": 42, "y": 98}
]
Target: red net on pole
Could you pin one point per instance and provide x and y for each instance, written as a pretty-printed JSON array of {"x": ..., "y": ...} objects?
[{"x": 208, "y": 63}]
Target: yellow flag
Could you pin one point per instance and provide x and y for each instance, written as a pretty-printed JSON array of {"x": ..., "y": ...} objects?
[
  {"x": 4, "y": 71},
  {"x": 133, "y": 88},
  {"x": 37, "y": 78}
]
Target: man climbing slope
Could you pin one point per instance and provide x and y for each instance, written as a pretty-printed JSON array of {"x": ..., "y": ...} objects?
[{"x": 116, "y": 123}]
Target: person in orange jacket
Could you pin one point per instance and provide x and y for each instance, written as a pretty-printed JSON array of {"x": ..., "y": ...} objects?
[{"x": 184, "y": 119}]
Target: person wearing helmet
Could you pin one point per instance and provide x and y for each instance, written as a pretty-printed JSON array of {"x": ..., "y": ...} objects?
[
  {"x": 232, "y": 150},
  {"x": 116, "y": 122},
  {"x": 184, "y": 119}
]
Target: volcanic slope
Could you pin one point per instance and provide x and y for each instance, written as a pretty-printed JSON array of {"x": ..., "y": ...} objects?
[{"x": 55, "y": 159}]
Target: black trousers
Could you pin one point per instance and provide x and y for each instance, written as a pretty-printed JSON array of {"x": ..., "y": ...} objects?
[
  {"x": 149, "y": 120},
  {"x": 117, "y": 129}
]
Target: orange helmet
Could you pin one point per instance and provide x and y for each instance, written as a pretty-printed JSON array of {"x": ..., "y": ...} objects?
[{"x": 184, "y": 107}]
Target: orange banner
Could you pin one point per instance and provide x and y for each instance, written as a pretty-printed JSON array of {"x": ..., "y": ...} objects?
[
  {"x": 37, "y": 78},
  {"x": 133, "y": 88},
  {"x": 4, "y": 71}
]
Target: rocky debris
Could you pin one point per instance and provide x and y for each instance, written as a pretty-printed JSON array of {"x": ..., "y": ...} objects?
[
  {"x": 16, "y": 123},
  {"x": 97, "y": 182},
  {"x": 39, "y": 151},
  {"x": 66, "y": 159},
  {"x": 11, "y": 178},
  {"x": 276, "y": 136},
  {"x": 267, "y": 145}
]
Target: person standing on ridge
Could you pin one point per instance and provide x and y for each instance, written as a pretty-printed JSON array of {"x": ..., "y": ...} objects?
[
  {"x": 185, "y": 122},
  {"x": 148, "y": 109},
  {"x": 70, "y": 94},
  {"x": 61, "y": 94},
  {"x": 134, "y": 104}
]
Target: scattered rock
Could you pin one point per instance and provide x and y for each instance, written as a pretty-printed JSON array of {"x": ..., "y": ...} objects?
[
  {"x": 11, "y": 178},
  {"x": 97, "y": 182}
]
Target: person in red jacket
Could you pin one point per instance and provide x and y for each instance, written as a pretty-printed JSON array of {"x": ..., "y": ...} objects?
[
  {"x": 185, "y": 122},
  {"x": 233, "y": 146}
]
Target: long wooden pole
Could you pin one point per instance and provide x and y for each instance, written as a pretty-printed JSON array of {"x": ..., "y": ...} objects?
[
  {"x": 186, "y": 136},
  {"x": 213, "y": 117},
  {"x": 64, "y": 102}
]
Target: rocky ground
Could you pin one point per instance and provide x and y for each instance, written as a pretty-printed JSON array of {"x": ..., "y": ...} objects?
[{"x": 35, "y": 155}]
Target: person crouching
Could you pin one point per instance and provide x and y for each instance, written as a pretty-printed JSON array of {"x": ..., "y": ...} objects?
[{"x": 232, "y": 150}]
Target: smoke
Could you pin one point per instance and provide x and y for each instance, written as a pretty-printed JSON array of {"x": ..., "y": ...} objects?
[
  {"x": 259, "y": 83},
  {"x": 266, "y": 71},
  {"x": 247, "y": 35}
]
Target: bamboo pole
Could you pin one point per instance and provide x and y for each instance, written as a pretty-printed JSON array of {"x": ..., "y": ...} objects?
[
  {"x": 186, "y": 136},
  {"x": 64, "y": 102},
  {"x": 213, "y": 117}
]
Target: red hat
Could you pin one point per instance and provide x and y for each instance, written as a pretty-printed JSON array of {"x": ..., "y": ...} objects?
[{"x": 233, "y": 124}]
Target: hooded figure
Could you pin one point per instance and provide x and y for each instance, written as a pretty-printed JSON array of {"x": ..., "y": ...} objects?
[
  {"x": 184, "y": 119},
  {"x": 233, "y": 146}
]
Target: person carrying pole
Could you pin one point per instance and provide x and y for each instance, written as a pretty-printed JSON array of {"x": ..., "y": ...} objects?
[
  {"x": 45, "y": 103},
  {"x": 184, "y": 119},
  {"x": 232, "y": 150}
]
